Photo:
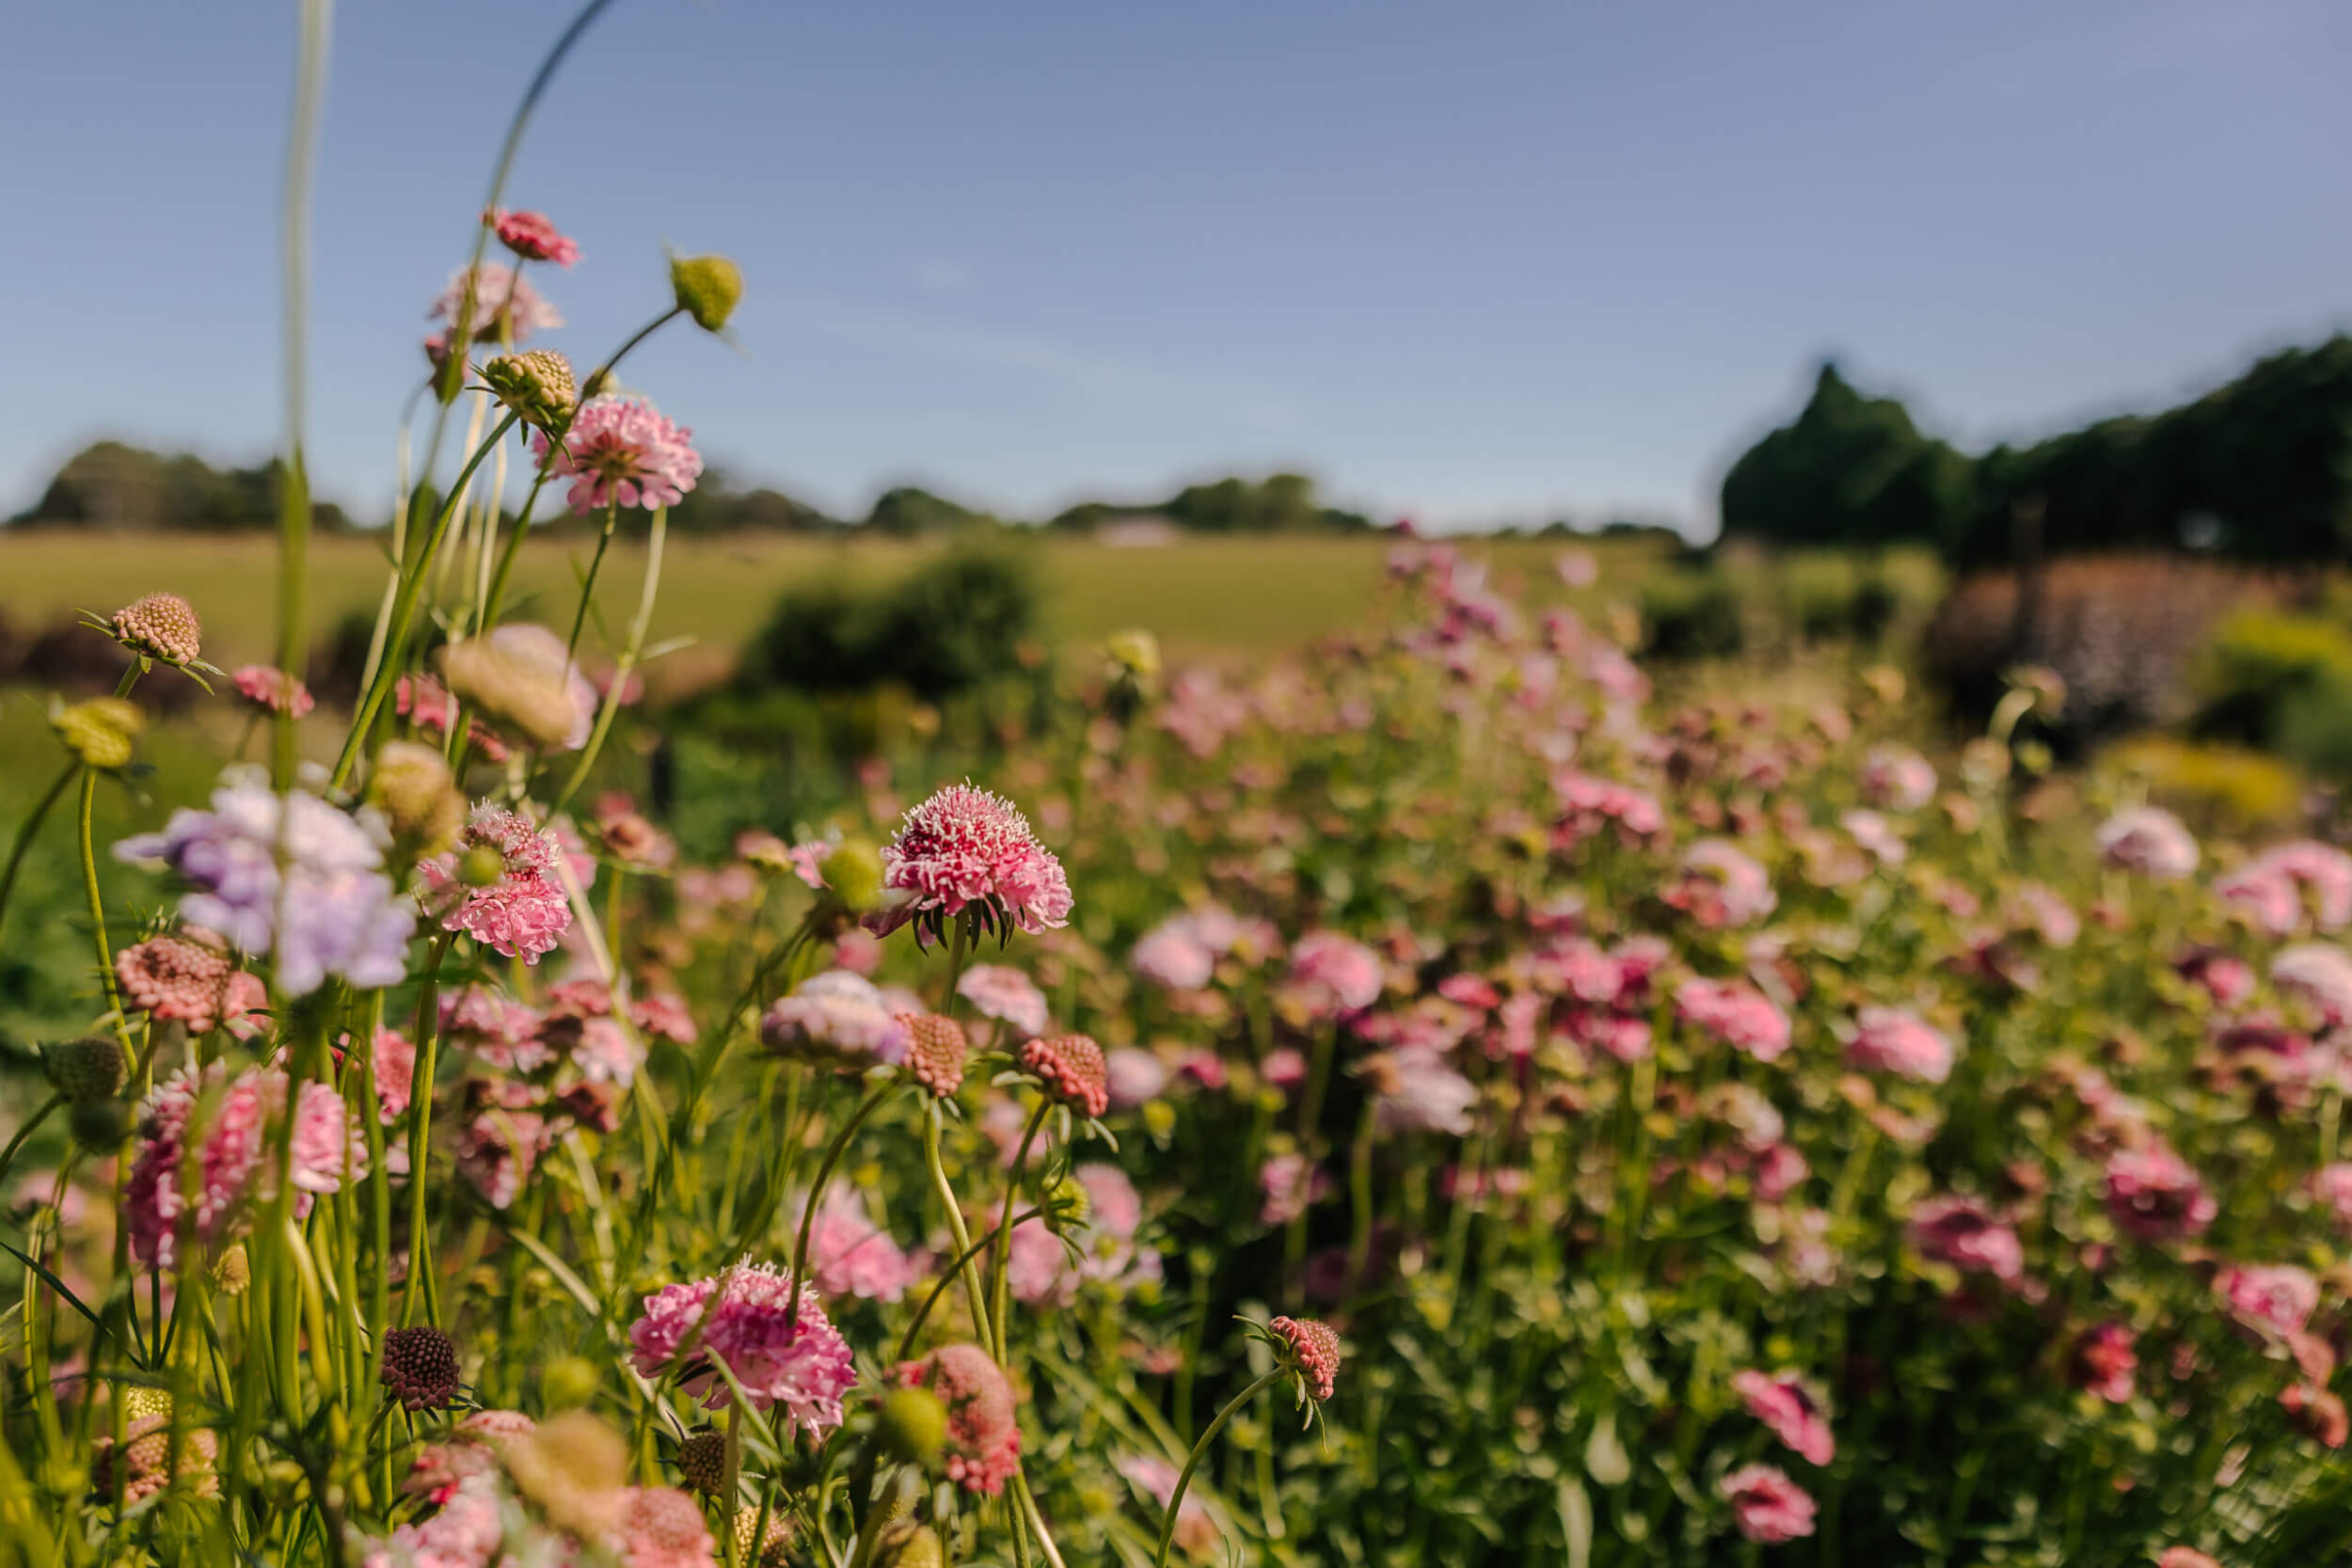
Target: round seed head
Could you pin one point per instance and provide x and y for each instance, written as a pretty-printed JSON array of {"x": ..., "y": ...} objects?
[
  {"x": 162, "y": 625},
  {"x": 420, "y": 1367},
  {"x": 87, "y": 1070}
]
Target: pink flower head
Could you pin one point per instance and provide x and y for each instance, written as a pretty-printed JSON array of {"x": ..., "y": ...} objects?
[
  {"x": 997, "y": 992},
  {"x": 496, "y": 291},
  {"x": 837, "y": 1020},
  {"x": 533, "y": 237},
  {"x": 1332, "y": 975},
  {"x": 1794, "y": 1417},
  {"x": 1889, "y": 1040},
  {"x": 1288, "y": 1183},
  {"x": 2274, "y": 1298},
  {"x": 2156, "y": 1196},
  {"x": 2318, "y": 972},
  {"x": 173, "y": 977},
  {"x": 524, "y": 912},
  {"x": 1172, "y": 954},
  {"x": 2332, "y": 1185},
  {"x": 663, "y": 1528},
  {"x": 1894, "y": 778},
  {"x": 2276, "y": 889},
  {"x": 1735, "y": 1013},
  {"x": 936, "y": 1051},
  {"x": 229, "y": 1123},
  {"x": 1720, "y": 885},
  {"x": 1767, "y": 1505},
  {"x": 849, "y": 1256},
  {"x": 503, "y": 1033},
  {"x": 1197, "y": 1534},
  {"x": 965, "y": 849},
  {"x": 1314, "y": 1351},
  {"x": 395, "y": 1064},
  {"x": 663, "y": 1015},
  {"x": 1961, "y": 1232},
  {"x": 803, "y": 1366},
  {"x": 2104, "y": 1362},
  {"x": 620, "y": 451},
  {"x": 498, "y": 1151},
  {"x": 2148, "y": 839},
  {"x": 1071, "y": 1069},
  {"x": 272, "y": 690},
  {"x": 1134, "y": 1076},
  {"x": 983, "y": 1427},
  {"x": 1415, "y": 1091}
]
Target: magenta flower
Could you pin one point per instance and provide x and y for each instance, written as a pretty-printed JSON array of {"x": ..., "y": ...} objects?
[
  {"x": 272, "y": 690},
  {"x": 1735, "y": 1013},
  {"x": 1794, "y": 1417},
  {"x": 849, "y": 1256},
  {"x": 1889, "y": 1040},
  {"x": 230, "y": 1119},
  {"x": 1767, "y": 1505},
  {"x": 1315, "y": 1350},
  {"x": 620, "y": 451},
  {"x": 2156, "y": 1196},
  {"x": 966, "y": 850},
  {"x": 524, "y": 912},
  {"x": 803, "y": 1366},
  {"x": 2104, "y": 1362},
  {"x": 2272, "y": 1298},
  {"x": 1961, "y": 1232},
  {"x": 533, "y": 237}
]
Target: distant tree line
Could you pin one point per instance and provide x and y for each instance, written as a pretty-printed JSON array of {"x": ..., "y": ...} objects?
[{"x": 2259, "y": 470}]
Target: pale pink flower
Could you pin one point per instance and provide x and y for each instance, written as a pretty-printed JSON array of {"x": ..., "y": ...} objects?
[
  {"x": 273, "y": 691},
  {"x": 503, "y": 1033},
  {"x": 2332, "y": 1185},
  {"x": 620, "y": 451},
  {"x": 2320, "y": 975},
  {"x": 1038, "y": 1268},
  {"x": 498, "y": 1151},
  {"x": 2271, "y": 889},
  {"x": 1172, "y": 954},
  {"x": 1784, "y": 1404},
  {"x": 1134, "y": 1076},
  {"x": 2156, "y": 1196},
  {"x": 999, "y": 992},
  {"x": 1289, "y": 1183},
  {"x": 1889, "y": 1040},
  {"x": 1767, "y": 1505},
  {"x": 1415, "y": 1091},
  {"x": 233, "y": 1120},
  {"x": 607, "y": 1054},
  {"x": 524, "y": 913},
  {"x": 466, "y": 1532},
  {"x": 837, "y": 1020},
  {"x": 1735, "y": 1013},
  {"x": 804, "y": 1366},
  {"x": 966, "y": 850},
  {"x": 2148, "y": 839},
  {"x": 1332, "y": 975},
  {"x": 1720, "y": 885},
  {"x": 849, "y": 1256},
  {"x": 1961, "y": 1232},
  {"x": 983, "y": 1425},
  {"x": 497, "y": 290},
  {"x": 1894, "y": 778},
  {"x": 2275, "y": 1298},
  {"x": 1197, "y": 1534},
  {"x": 395, "y": 1063},
  {"x": 663, "y": 1528}
]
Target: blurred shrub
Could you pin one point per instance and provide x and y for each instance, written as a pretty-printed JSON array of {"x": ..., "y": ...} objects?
[
  {"x": 2217, "y": 789},
  {"x": 1692, "y": 613},
  {"x": 948, "y": 626},
  {"x": 2122, "y": 630},
  {"x": 2259, "y": 666}
]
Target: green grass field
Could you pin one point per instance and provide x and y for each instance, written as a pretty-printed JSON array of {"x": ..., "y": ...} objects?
[{"x": 1201, "y": 597}]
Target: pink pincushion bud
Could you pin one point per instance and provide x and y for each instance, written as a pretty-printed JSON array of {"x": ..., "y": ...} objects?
[
  {"x": 162, "y": 625},
  {"x": 172, "y": 977},
  {"x": 983, "y": 1431},
  {"x": 533, "y": 236},
  {"x": 1072, "y": 1067},
  {"x": 936, "y": 1050},
  {"x": 1316, "y": 1349},
  {"x": 272, "y": 690}
]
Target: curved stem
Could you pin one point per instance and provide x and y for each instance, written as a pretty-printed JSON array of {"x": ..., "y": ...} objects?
[
  {"x": 98, "y": 913},
  {"x": 963, "y": 1261},
  {"x": 627, "y": 662},
  {"x": 7, "y": 1156},
  {"x": 955, "y": 1226},
  {"x": 817, "y": 1194},
  {"x": 1176, "y": 1498},
  {"x": 24, "y": 834},
  {"x": 998, "y": 1269},
  {"x": 428, "y": 1032},
  {"x": 955, "y": 945},
  {"x": 588, "y": 589}
]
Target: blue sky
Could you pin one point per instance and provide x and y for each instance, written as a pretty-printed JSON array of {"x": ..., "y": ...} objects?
[{"x": 1472, "y": 262}]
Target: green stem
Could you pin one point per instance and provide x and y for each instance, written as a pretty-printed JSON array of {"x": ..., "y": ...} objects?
[
  {"x": 1192, "y": 1462},
  {"x": 588, "y": 589},
  {"x": 628, "y": 661},
  {"x": 24, "y": 834},
  {"x": 428, "y": 1033},
  {"x": 817, "y": 1194},
  {"x": 955, "y": 945},
  {"x": 956, "y": 1226},
  {"x": 999, "y": 1269},
  {"x": 7, "y": 1156},
  {"x": 97, "y": 912},
  {"x": 939, "y": 1288}
]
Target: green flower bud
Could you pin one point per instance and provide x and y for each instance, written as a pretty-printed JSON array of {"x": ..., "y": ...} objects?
[
  {"x": 1134, "y": 654},
  {"x": 1067, "y": 1205},
  {"x": 708, "y": 288},
  {"x": 912, "y": 1425},
  {"x": 101, "y": 1126},
  {"x": 908, "y": 1544},
  {"x": 85, "y": 1070},
  {"x": 412, "y": 786},
  {"x": 854, "y": 870},
  {"x": 232, "y": 1270},
  {"x": 481, "y": 867},
  {"x": 536, "y": 383},
  {"x": 570, "y": 1382},
  {"x": 772, "y": 1551},
  {"x": 99, "y": 731}
]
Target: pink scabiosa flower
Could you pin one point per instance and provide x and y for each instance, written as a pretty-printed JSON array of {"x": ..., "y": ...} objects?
[
  {"x": 1783, "y": 1403},
  {"x": 2104, "y": 1362},
  {"x": 1288, "y": 1183},
  {"x": 1720, "y": 885},
  {"x": 1134, "y": 1075},
  {"x": 229, "y": 1121},
  {"x": 2269, "y": 1298},
  {"x": 2148, "y": 839},
  {"x": 1332, "y": 974},
  {"x": 533, "y": 236},
  {"x": 1197, "y": 1534},
  {"x": 1071, "y": 1069},
  {"x": 997, "y": 992},
  {"x": 524, "y": 912},
  {"x": 1415, "y": 1091},
  {"x": 983, "y": 1427},
  {"x": 835, "y": 1019},
  {"x": 1961, "y": 1232},
  {"x": 1173, "y": 956},
  {"x": 2156, "y": 1196},
  {"x": 1889, "y": 1040},
  {"x": 936, "y": 1053},
  {"x": 1737, "y": 1014},
  {"x": 1894, "y": 778},
  {"x": 270, "y": 689},
  {"x": 620, "y": 451},
  {"x": 173, "y": 977},
  {"x": 1766, "y": 1505},
  {"x": 803, "y": 1366},
  {"x": 2319, "y": 974},
  {"x": 964, "y": 850},
  {"x": 663, "y": 1528},
  {"x": 849, "y": 1256},
  {"x": 498, "y": 1151},
  {"x": 496, "y": 293},
  {"x": 2280, "y": 887},
  {"x": 2332, "y": 1185},
  {"x": 1314, "y": 1352}
]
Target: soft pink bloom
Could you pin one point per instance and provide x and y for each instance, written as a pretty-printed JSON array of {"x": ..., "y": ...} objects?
[
  {"x": 2277, "y": 1298},
  {"x": 1780, "y": 1169},
  {"x": 1588, "y": 804},
  {"x": 1894, "y": 778},
  {"x": 1783, "y": 1404},
  {"x": 1332, "y": 975},
  {"x": 503, "y": 1033},
  {"x": 1735, "y": 1013},
  {"x": 663, "y": 1528},
  {"x": 2272, "y": 888},
  {"x": 2332, "y": 1186},
  {"x": 1767, "y": 1505},
  {"x": 664, "y": 1015},
  {"x": 498, "y": 1151},
  {"x": 524, "y": 913},
  {"x": 272, "y": 690},
  {"x": 999, "y": 992},
  {"x": 966, "y": 850},
  {"x": 1197, "y": 1534},
  {"x": 2104, "y": 1362},
  {"x": 607, "y": 1054},
  {"x": 1961, "y": 1232},
  {"x": 620, "y": 451},
  {"x": 2048, "y": 913},
  {"x": 2148, "y": 839},
  {"x": 1173, "y": 954},
  {"x": 497, "y": 290},
  {"x": 983, "y": 1426},
  {"x": 395, "y": 1073},
  {"x": 849, "y": 1256},
  {"x": 1720, "y": 885},
  {"x": 2319, "y": 974},
  {"x": 466, "y": 1532},
  {"x": 1289, "y": 1183},
  {"x": 1889, "y": 1040},
  {"x": 1415, "y": 1091},
  {"x": 2156, "y": 1196},
  {"x": 533, "y": 237},
  {"x": 174, "y": 977},
  {"x": 835, "y": 1018},
  {"x": 1134, "y": 1076},
  {"x": 234, "y": 1167},
  {"x": 1315, "y": 1348},
  {"x": 803, "y": 1366},
  {"x": 1037, "y": 1267},
  {"x": 1283, "y": 1068},
  {"x": 539, "y": 651}
]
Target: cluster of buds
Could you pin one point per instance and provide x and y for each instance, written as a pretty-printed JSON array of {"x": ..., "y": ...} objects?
[{"x": 537, "y": 385}]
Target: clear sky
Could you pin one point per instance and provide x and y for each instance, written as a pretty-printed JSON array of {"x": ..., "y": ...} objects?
[{"x": 1470, "y": 262}]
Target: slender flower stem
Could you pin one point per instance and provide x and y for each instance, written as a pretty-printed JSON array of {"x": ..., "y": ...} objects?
[
  {"x": 955, "y": 945},
  {"x": 428, "y": 1033},
  {"x": 24, "y": 833},
  {"x": 7, "y": 1156},
  {"x": 588, "y": 588},
  {"x": 732, "y": 1471},
  {"x": 1176, "y": 1498},
  {"x": 817, "y": 1192},
  {"x": 956, "y": 1228},
  {"x": 97, "y": 912},
  {"x": 939, "y": 1288},
  {"x": 997, "y": 1278},
  {"x": 628, "y": 664}
]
